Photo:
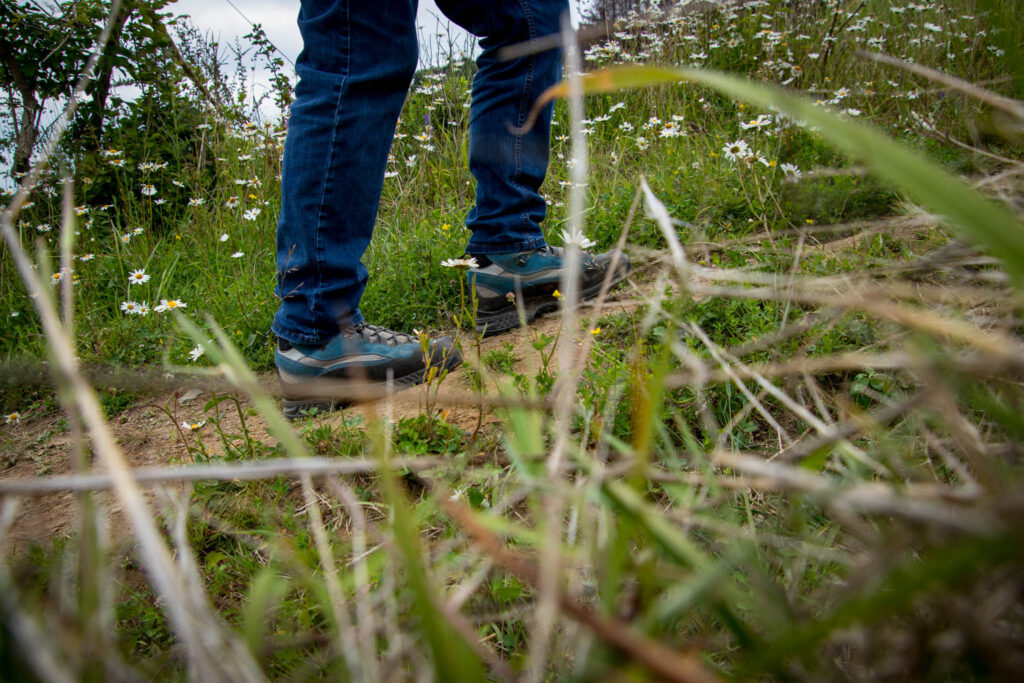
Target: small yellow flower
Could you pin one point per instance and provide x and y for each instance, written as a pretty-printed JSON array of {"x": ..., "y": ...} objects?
[
  {"x": 596, "y": 331},
  {"x": 810, "y": 221},
  {"x": 556, "y": 294},
  {"x": 445, "y": 227}
]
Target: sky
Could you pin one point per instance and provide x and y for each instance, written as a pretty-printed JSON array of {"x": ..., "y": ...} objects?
[
  {"x": 278, "y": 19},
  {"x": 224, "y": 20}
]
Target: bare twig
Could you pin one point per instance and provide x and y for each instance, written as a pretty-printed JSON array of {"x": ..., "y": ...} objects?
[
  {"x": 250, "y": 471},
  {"x": 670, "y": 664},
  {"x": 1006, "y": 104}
]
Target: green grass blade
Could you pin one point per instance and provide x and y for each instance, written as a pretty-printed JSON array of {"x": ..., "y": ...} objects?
[{"x": 980, "y": 220}]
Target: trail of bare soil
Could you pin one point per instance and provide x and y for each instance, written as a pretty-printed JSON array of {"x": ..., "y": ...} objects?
[{"x": 149, "y": 437}]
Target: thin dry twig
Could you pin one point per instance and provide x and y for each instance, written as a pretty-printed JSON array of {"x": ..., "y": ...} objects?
[
  {"x": 1006, "y": 104},
  {"x": 670, "y": 664},
  {"x": 248, "y": 471}
]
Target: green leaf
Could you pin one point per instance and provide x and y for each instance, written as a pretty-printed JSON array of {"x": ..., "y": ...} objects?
[{"x": 978, "y": 219}]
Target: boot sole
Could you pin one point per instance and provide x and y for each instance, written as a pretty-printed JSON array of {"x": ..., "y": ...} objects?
[{"x": 325, "y": 394}]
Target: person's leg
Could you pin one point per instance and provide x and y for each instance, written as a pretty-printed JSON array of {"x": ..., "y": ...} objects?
[
  {"x": 514, "y": 260},
  {"x": 354, "y": 71},
  {"x": 509, "y": 168},
  {"x": 357, "y": 61}
]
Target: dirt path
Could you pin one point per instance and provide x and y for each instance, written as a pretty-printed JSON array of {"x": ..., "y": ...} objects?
[{"x": 149, "y": 438}]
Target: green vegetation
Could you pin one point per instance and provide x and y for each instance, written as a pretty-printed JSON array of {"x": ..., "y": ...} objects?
[{"x": 792, "y": 453}]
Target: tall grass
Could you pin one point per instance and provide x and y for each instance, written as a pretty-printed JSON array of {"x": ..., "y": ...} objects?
[{"x": 788, "y": 450}]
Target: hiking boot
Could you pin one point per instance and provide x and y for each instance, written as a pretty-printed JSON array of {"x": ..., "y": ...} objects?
[
  {"x": 358, "y": 360},
  {"x": 532, "y": 277}
]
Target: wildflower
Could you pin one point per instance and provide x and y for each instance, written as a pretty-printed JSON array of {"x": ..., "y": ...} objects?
[
  {"x": 238, "y": 254},
  {"x": 44, "y": 227},
  {"x": 578, "y": 238},
  {"x": 56, "y": 278},
  {"x": 852, "y": 112},
  {"x": 790, "y": 169},
  {"x": 556, "y": 294},
  {"x": 143, "y": 308},
  {"x": 81, "y": 210},
  {"x": 642, "y": 142},
  {"x": 177, "y": 183},
  {"x": 116, "y": 162},
  {"x": 461, "y": 263},
  {"x": 148, "y": 190},
  {"x": 596, "y": 331},
  {"x": 126, "y": 238},
  {"x": 195, "y": 353},
  {"x": 130, "y": 307},
  {"x": 192, "y": 426},
  {"x": 734, "y": 151},
  {"x": 196, "y": 201},
  {"x": 224, "y": 237},
  {"x": 933, "y": 28},
  {"x": 14, "y": 418},
  {"x": 251, "y": 214},
  {"x": 138, "y": 277},
  {"x": 111, "y": 153},
  {"x": 166, "y": 305},
  {"x": 232, "y": 202},
  {"x": 15, "y": 314},
  {"x": 760, "y": 122},
  {"x": 137, "y": 231}
]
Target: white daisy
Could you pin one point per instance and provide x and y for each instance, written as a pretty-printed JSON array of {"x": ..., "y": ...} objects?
[
  {"x": 734, "y": 151},
  {"x": 167, "y": 305},
  {"x": 460, "y": 263},
  {"x": 138, "y": 277}
]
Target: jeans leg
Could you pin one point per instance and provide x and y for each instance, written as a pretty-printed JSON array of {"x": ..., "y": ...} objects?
[
  {"x": 508, "y": 168},
  {"x": 357, "y": 61}
]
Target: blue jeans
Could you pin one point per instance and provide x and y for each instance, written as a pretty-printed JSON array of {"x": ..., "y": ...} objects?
[{"x": 355, "y": 68}]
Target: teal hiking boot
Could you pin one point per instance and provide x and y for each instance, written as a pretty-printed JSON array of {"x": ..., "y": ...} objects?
[
  {"x": 532, "y": 277},
  {"x": 360, "y": 358}
]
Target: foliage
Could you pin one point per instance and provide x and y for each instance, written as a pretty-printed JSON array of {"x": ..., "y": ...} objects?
[{"x": 792, "y": 454}]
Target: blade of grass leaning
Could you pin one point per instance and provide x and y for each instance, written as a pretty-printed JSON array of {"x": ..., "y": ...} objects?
[
  {"x": 940, "y": 568},
  {"x": 978, "y": 219},
  {"x": 454, "y": 658}
]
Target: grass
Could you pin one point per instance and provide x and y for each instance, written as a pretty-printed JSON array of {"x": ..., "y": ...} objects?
[{"x": 792, "y": 456}]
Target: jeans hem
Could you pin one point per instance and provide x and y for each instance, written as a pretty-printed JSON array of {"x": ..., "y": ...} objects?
[
  {"x": 308, "y": 339},
  {"x": 506, "y": 247}
]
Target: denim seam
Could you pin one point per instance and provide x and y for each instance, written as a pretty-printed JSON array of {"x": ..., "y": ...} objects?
[
  {"x": 506, "y": 247},
  {"x": 346, "y": 40},
  {"x": 523, "y": 106}
]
